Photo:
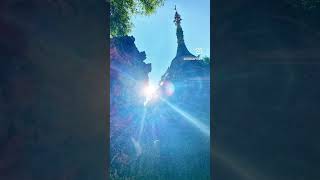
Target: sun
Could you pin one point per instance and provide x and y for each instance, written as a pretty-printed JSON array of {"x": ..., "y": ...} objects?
[{"x": 149, "y": 91}]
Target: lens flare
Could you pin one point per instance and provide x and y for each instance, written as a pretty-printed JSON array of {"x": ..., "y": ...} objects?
[{"x": 168, "y": 88}]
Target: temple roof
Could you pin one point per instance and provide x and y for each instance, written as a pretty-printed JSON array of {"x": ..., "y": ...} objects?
[{"x": 185, "y": 65}]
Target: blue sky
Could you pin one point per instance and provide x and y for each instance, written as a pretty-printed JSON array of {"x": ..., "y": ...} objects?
[{"x": 156, "y": 34}]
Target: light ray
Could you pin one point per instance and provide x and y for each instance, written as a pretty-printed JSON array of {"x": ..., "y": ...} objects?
[
  {"x": 142, "y": 124},
  {"x": 195, "y": 122},
  {"x": 137, "y": 146}
]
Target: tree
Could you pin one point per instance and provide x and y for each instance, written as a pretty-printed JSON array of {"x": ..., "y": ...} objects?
[
  {"x": 121, "y": 12},
  {"x": 206, "y": 59}
]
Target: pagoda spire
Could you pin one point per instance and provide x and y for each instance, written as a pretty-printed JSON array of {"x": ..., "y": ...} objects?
[{"x": 182, "y": 50}]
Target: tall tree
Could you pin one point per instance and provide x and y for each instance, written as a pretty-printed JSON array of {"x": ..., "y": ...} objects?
[{"x": 121, "y": 12}]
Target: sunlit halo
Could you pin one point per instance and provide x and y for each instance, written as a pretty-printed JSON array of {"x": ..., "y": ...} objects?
[{"x": 149, "y": 91}]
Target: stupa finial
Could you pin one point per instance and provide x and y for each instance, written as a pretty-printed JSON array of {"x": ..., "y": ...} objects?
[
  {"x": 177, "y": 17},
  {"x": 182, "y": 49}
]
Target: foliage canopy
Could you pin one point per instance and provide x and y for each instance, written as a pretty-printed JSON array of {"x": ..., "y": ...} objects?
[
  {"x": 121, "y": 12},
  {"x": 206, "y": 59}
]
